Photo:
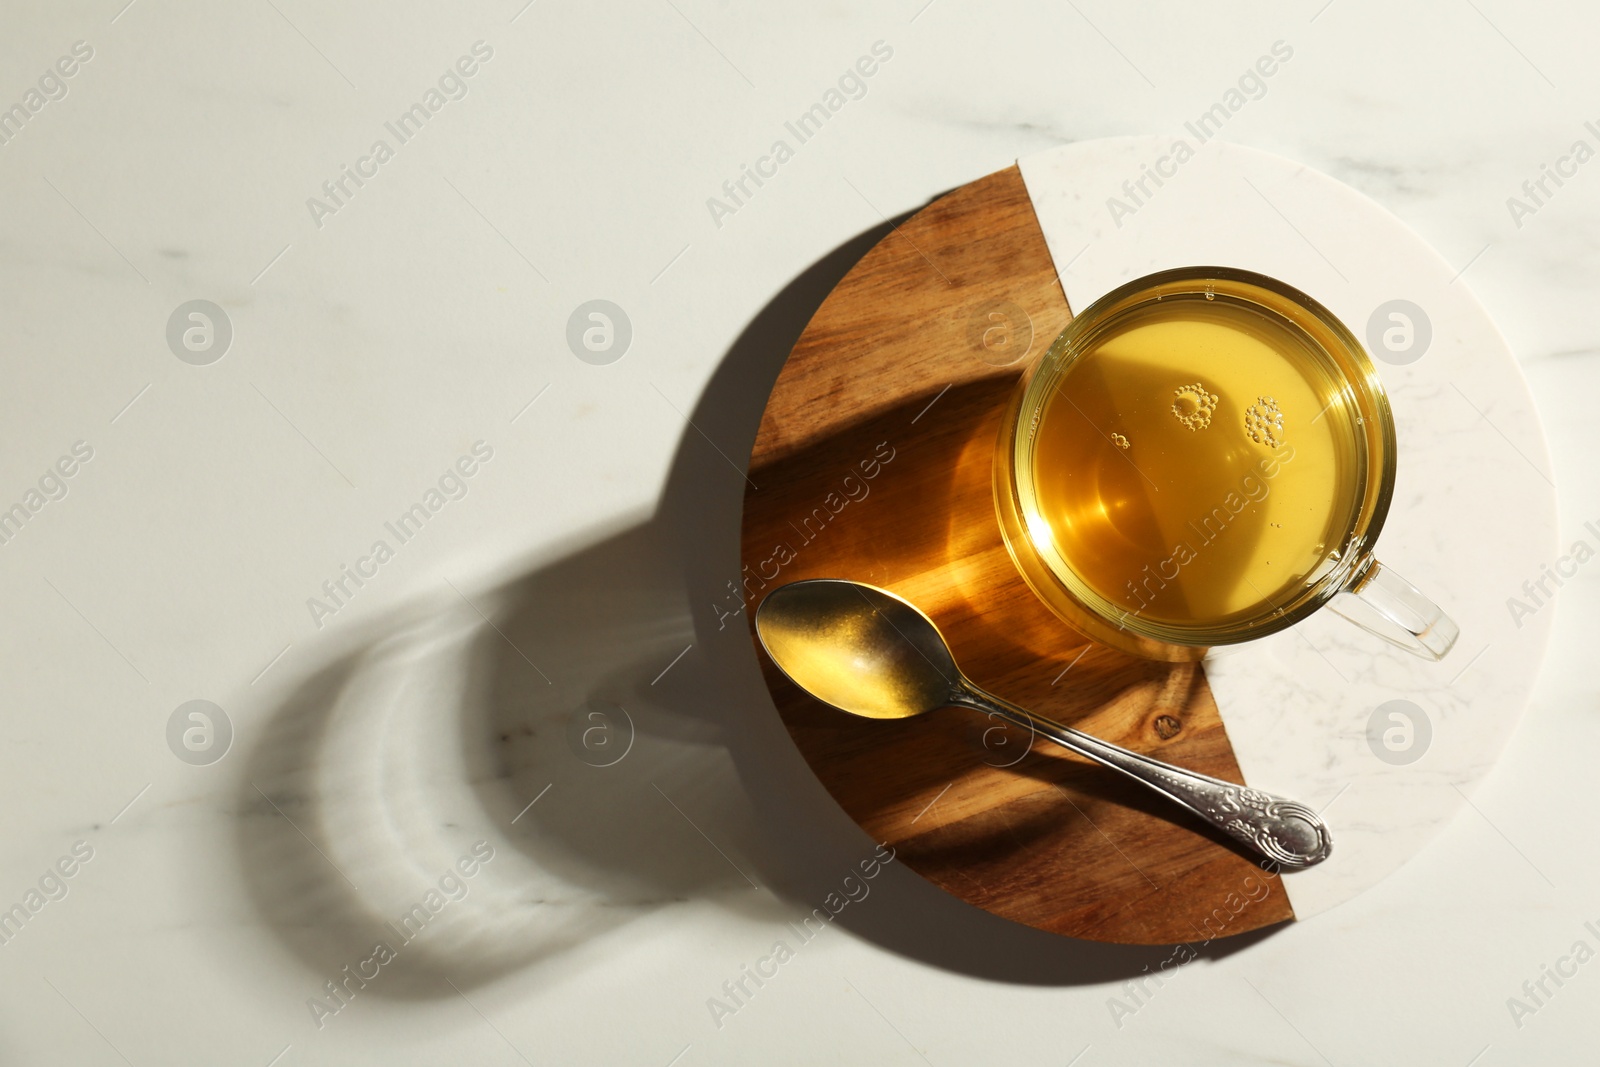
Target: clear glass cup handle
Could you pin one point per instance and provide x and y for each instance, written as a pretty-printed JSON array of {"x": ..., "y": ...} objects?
[{"x": 1381, "y": 602}]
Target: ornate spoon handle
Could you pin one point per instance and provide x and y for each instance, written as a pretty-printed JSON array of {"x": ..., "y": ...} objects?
[{"x": 1280, "y": 829}]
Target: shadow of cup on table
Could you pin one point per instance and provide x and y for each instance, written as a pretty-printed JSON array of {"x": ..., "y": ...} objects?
[{"x": 463, "y": 736}]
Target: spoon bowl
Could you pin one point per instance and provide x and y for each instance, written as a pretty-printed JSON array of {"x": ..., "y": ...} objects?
[{"x": 857, "y": 647}]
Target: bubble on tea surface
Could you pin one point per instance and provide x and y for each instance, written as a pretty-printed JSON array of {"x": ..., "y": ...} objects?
[
  {"x": 1264, "y": 422},
  {"x": 1119, "y": 440},
  {"x": 1194, "y": 405}
]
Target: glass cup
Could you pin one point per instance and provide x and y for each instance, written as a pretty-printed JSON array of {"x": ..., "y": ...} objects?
[{"x": 1203, "y": 457}]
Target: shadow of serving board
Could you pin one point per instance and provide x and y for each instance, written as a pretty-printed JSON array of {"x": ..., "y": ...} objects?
[{"x": 874, "y": 462}]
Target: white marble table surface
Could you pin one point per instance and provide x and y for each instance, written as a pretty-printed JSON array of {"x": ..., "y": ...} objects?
[{"x": 403, "y": 810}]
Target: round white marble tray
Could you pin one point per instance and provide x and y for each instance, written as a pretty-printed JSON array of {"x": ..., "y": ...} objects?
[{"x": 1388, "y": 744}]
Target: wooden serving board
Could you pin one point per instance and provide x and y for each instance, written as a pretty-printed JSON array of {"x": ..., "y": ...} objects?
[{"x": 874, "y": 462}]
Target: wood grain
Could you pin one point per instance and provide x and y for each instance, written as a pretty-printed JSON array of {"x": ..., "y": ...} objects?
[{"x": 874, "y": 462}]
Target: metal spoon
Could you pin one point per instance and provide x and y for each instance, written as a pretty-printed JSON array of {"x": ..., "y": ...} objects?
[{"x": 867, "y": 652}]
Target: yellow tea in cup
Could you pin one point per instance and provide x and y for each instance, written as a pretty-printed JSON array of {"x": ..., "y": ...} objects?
[{"x": 1203, "y": 457}]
